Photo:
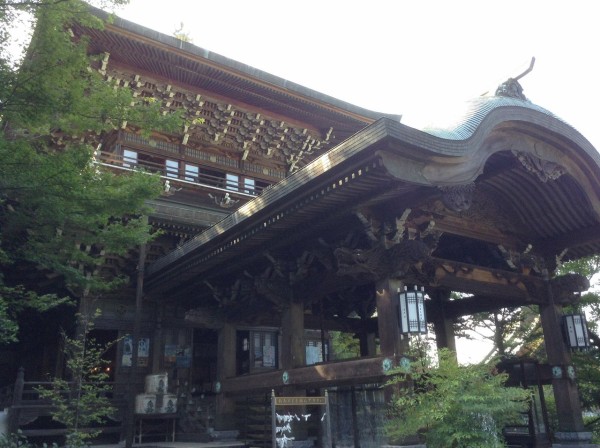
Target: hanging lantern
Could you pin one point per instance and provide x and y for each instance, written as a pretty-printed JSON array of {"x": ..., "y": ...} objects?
[
  {"x": 412, "y": 311},
  {"x": 575, "y": 329}
]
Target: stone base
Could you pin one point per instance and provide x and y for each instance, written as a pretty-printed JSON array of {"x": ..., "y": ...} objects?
[
  {"x": 575, "y": 445},
  {"x": 301, "y": 443},
  {"x": 223, "y": 435},
  {"x": 573, "y": 439},
  {"x": 404, "y": 446}
]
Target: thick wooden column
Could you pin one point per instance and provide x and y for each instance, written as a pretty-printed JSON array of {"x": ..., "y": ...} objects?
[
  {"x": 368, "y": 346},
  {"x": 293, "y": 354},
  {"x": 443, "y": 326},
  {"x": 570, "y": 421},
  {"x": 225, "y": 407},
  {"x": 129, "y": 420},
  {"x": 293, "y": 351},
  {"x": 158, "y": 346},
  {"x": 390, "y": 341}
]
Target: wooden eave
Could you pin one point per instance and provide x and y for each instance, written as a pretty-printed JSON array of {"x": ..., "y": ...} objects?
[
  {"x": 296, "y": 200},
  {"x": 389, "y": 161},
  {"x": 149, "y": 51}
]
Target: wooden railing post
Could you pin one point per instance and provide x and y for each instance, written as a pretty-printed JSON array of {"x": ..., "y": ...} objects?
[{"x": 14, "y": 412}]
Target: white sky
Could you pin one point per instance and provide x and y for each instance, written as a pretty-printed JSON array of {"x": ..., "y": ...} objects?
[
  {"x": 418, "y": 58},
  {"x": 414, "y": 58}
]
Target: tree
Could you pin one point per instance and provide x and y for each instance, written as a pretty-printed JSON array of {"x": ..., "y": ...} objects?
[
  {"x": 518, "y": 333},
  {"x": 60, "y": 212},
  {"x": 82, "y": 401},
  {"x": 344, "y": 345},
  {"x": 454, "y": 406},
  {"x": 507, "y": 329},
  {"x": 518, "y": 330}
]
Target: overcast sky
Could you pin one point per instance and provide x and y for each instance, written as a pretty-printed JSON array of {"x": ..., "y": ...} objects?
[{"x": 416, "y": 58}]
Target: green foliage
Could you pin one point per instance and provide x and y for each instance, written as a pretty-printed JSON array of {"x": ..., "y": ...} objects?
[
  {"x": 344, "y": 345},
  {"x": 590, "y": 300},
  {"x": 13, "y": 440},
  {"x": 82, "y": 401},
  {"x": 14, "y": 300},
  {"x": 18, "y": 440},
  {"x": 587, "y": 267},
  {"x": 592, "y": 424},
  {"x": 587, "y": 365},
  {"x": 60, "y": 212},
  {"x": 455, "y": 406},
  {"x": 507, "y": 329}
]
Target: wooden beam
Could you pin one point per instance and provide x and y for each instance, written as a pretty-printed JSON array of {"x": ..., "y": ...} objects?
[
  {"x": 475, "y": 304},
  {"x": 357, "y": 371},
  {"x": 471, "y": 229},
  {"x": 479, "y": 303},
  {"x": 473, "y": 279}
]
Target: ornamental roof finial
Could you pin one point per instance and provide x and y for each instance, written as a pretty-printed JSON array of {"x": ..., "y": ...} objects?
[{"x": 511, "y": 87}]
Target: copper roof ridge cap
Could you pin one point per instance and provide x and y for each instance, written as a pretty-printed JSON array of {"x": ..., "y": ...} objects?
[
  {"x": 470, "y": 124},
  {"x": 463, "y": 125}
]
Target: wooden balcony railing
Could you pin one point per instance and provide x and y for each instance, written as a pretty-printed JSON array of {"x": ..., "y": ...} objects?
[
  {"x": 180, "y": 178},
  {"x": 26, "y": 404}
]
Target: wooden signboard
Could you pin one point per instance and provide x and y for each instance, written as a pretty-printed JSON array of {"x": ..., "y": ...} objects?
[
  {"x": 282, "y": 432},
  {"x": 300, "y": 401}
]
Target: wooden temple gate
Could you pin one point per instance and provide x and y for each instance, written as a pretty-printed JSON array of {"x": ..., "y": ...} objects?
[
  {"x": 488, "y": 208},
  {"x": 353, "y": 205}
]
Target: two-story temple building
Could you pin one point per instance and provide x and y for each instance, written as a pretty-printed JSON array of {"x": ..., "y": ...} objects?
[{"x": 288, "y": 214}]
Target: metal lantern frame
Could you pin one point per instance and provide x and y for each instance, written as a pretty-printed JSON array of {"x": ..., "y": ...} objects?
[
  {"x": 412, "y": 317},
  {"x": 575, "y": 331}
]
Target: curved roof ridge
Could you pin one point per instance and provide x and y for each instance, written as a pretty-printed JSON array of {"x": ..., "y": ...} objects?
[{"x": 465, "y": 125}]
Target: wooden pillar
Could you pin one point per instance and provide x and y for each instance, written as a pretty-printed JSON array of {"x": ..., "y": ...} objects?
[
  {"x": 570, "y": 429},
  {"x": 129, "y": 420},
  {"x": 443, "y": 326},
  {"x": 225, "y": 406},
  {"x": 14, "y": 412},
  {"x": 390, "y": 340},
  {"x": 293, "y": 351},
  {"x": 368, "y": 346},
  {"x": 355, "y": 422},
  {"x": 158, "y": 344},
  {"x": 293, "y": 354}
]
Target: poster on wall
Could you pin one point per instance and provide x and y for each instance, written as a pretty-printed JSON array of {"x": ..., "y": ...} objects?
[
  {"x": 170, "y": 354},
  {"x": 269, "y": 356},
  {"x": 178, "y": 356},
  {"x": 143, "y": 352},
  {"x": 184, "y": 357},
  {"x": 313, "y": 355},
  {"x": 127, "y": 351}
]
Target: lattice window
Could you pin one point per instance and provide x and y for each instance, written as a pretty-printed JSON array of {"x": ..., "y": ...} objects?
[{"x": 172, "y": 168}]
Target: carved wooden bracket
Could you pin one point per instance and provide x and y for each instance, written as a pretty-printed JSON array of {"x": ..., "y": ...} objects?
[
  {"x": 524, "y": 262},
  {"x": 545, "y": 170},
  {"x": 211, "y": 122},
  {"x": 569, "y": 286},
  {"x": 458, "y": 198},
  {"x": 380, "y": 262}
]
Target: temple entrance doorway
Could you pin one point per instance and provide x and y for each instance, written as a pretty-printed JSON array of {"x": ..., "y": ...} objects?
[{"x": 204, "y": 371}]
